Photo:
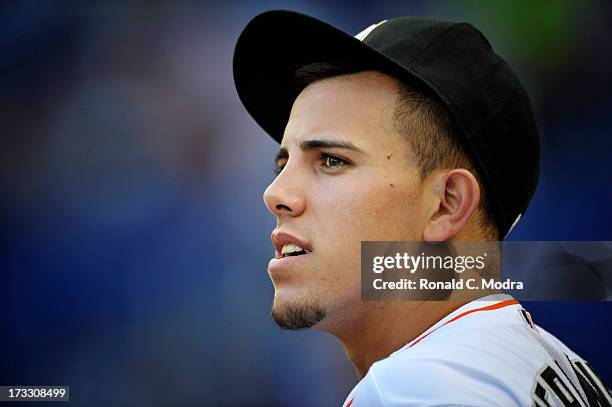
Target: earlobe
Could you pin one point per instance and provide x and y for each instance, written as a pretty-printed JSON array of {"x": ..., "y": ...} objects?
[
  {"x": 437, "y": 231},
  {"x": 458, "y": 194}
]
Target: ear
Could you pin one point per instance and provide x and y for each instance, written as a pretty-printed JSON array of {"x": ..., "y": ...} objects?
[{"x": 457, "y": 195}]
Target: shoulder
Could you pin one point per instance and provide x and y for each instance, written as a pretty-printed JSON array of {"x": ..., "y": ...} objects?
[
  {"x": 429, "y": 382},
  {"x": 473, "y": 363},
  {"x": 445, "y": 375}
]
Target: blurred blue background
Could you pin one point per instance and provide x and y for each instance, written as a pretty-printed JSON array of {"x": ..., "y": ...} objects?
[{"x": 134, "y": 240}]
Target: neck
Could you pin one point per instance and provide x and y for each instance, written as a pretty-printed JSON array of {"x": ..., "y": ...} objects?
[{"x": 385, "y": 327}]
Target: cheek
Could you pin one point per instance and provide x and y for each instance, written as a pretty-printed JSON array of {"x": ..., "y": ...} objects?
[
  {"x": 384, "y": 210},
  {"x": 395, "y": 213}
]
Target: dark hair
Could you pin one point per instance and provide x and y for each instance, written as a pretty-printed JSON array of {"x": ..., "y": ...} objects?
[{"x": 432, "y": 133}]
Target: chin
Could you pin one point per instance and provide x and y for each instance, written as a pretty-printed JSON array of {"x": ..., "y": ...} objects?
[{"x": 293, "y": 314}]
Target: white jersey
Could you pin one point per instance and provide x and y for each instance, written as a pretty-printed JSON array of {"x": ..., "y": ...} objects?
[{"x": 486, "y": 353}]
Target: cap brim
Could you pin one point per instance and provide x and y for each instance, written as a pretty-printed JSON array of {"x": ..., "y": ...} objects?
[{"x": 274, "y": 44}]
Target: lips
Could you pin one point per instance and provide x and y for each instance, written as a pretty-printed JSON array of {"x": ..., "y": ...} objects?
[{"x": 288, "y": 245}]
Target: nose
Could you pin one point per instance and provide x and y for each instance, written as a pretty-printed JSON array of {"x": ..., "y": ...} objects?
[{"x": 284, "y": 196}]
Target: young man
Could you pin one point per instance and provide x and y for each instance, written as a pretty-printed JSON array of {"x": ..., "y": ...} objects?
[{"x": 415, "y": 130}]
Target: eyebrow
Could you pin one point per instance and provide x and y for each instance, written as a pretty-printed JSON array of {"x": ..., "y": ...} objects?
[{"x": 315, "y": 144}]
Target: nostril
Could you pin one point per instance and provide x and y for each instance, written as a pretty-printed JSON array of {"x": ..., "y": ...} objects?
[{"x": 280, "y": 207}]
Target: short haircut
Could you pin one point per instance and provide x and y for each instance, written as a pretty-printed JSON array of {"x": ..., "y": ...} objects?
[{"x": 433, "y": 135}]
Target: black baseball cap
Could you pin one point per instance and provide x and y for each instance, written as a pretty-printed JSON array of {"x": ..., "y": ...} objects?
[{"x": 453, "y": 60}]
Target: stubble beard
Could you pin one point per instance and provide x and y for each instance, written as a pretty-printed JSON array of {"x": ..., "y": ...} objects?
[{"x": 294, "y": 317}]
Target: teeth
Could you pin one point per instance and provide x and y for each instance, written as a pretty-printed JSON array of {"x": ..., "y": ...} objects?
[{"x": 291, "y": 248}]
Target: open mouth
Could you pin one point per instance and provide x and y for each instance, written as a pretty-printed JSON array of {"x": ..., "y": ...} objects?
[{"x": 289, "y": 250}]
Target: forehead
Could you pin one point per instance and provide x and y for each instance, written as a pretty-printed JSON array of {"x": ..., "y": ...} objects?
[{"x": 357, "y": 108}]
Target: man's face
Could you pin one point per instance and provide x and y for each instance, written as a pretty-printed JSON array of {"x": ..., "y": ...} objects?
[{"x": 328, "y": 199}]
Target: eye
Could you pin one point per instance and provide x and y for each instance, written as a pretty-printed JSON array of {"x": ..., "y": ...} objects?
[
  {"x": 278, "y": 167},
  {"x": 333, "y": 163}
]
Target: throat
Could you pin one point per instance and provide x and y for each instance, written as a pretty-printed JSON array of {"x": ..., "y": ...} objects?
[{"x": 386, "y": 327}]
